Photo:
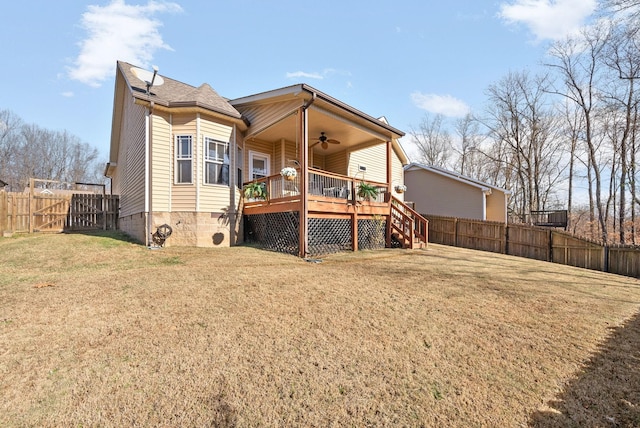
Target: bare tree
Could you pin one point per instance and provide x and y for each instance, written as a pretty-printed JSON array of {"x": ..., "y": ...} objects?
[
  {"x": 468, "y": 131},
  {"x": 629, "y": 8},
  {"x": 573, "y": 125},
  {"x": 10, "y": 126},
  {"x": 578, "y": 62},
  {"x": 433, "y": 141},
  {"x": 523, "y": 130},
  {"x": 28, "y": 150},
  {"x": 623, "y": 58}
]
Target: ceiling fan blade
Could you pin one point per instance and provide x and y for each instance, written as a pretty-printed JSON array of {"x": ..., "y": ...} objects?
[{"x": 331, "y": 141}]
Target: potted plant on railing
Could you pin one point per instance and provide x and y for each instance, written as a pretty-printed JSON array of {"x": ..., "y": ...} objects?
[
  {"x": 255, "y": 191},
  {"x": 289, "y": 173},
  {"x": 367, "y": 191}
]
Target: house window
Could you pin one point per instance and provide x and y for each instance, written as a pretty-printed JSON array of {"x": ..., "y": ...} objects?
[
  {"x": 258, "y": 165},
  {"x": 216, "y": 161},
  {"x": 184, "y": 157}
]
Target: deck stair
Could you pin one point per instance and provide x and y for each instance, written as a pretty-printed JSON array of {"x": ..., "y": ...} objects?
[{"x": 408, "y": 228}]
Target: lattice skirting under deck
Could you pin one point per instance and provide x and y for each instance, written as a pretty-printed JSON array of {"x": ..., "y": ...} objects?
[{"x": 279, "y": 232}]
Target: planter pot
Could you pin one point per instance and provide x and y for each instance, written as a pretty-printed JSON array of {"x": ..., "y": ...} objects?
[{"x": 290, "y": 177}]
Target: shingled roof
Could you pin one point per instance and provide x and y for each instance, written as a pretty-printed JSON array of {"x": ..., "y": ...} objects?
[{"x": 173, "y": 93}]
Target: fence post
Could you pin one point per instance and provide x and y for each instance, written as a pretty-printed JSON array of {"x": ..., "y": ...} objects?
[
  {"x": 14, "y": 211},
  {"x": 4, "y": 211},
  {"x": 506, "y": 238},
  {"x": 103, "y": 198},
  {"x": 606, "y": 257},
  {"x": 455, "y": 232},
  {"x": 31, "y": 204},
  {"x": 550, "y": 245}
]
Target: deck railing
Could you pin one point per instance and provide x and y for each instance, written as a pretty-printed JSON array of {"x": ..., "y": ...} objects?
[{"x": 322, "y": 184}]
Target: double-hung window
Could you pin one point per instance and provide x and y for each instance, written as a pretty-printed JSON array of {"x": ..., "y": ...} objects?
[
  {"x": 184, "y": 158},
  {"x": 216, "y": 161}
]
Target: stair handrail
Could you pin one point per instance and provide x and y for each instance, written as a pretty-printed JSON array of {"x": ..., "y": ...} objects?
[{"x": 421, "y": 224}]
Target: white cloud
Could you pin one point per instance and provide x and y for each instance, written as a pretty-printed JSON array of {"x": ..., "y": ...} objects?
[
  {"x": 440, "y": 104},
  {"x": 304, "y": 74},
  {"x": 118, "y": 31},
  {"x": 548, "y": 19},
  {"x": 326, "y": 73},
  {"x": 67, "y": 94}
]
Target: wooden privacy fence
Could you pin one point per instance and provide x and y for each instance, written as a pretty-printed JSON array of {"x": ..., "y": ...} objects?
[
  {"x": 33, "y": 212},
  {"x": 534, "y": 243}
]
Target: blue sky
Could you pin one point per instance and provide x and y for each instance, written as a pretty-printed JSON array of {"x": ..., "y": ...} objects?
[{"x": 397, "y": 59}]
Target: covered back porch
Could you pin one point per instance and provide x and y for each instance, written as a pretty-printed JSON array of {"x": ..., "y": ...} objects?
[{"x": 336, "y": 151}]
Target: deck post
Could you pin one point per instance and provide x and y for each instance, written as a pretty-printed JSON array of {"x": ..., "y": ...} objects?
[
  {"x": 303, "y": 135},
  {"x": 387, "y": 233},
  {"x": 354, "y": 230}
]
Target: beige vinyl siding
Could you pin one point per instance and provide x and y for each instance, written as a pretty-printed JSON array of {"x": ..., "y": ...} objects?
[
  {"x": 161, "y": 163},
  {"x": 213, "y": 197},
  {"x": 183, "y": 196},
  {"x": 283, "y": 154},
  {"x": 397, "y": 174},
  {"x": 497, "y": 206},
  {"x": 337, "y": 162},
  {"x": 374, "y": 158},
  {"x": 215, "y": 130},
  {"x": 439, "y": 195},
  {"x": 277, "y": 161},
  {"x": 263, "y": 115},
  {"x": 290, "y": 153},
  {"x": 317, "y": 161},
  {"x": 131, "y": 159}
]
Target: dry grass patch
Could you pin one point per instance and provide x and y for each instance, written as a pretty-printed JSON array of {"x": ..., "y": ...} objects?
[{"x": 243, "y": 337}]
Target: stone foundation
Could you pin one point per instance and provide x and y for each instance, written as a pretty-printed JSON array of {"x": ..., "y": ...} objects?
[
  {"x": 189, "y": 229},
  {"x": 133, "y": 226}
]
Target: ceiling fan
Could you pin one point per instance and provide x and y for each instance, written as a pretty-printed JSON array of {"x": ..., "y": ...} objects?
[{"x": 324, "y": 141}]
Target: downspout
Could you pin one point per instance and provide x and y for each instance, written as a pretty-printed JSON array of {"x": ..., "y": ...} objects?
[
  {"x": 147, "y": 178},
  {"x": 304, "y": 178},
  {"x": 196, "y": 163},
  {"x": 233, "y": 185},
  {"x": 485, "y": 193}
]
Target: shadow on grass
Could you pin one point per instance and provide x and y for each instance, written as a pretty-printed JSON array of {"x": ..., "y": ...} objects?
[
  {"x": 606, "y": 392},
  {"x": 111, "y": 234}
]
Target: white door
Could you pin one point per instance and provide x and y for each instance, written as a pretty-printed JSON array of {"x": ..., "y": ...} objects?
[{"x": 259, "y": 165}]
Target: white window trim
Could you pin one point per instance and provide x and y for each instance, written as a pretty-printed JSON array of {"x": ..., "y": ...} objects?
[
  {"x": 205, "y": 151},
  {"x": 179, "y": 158},
  {"x": 253, "y": 155}
]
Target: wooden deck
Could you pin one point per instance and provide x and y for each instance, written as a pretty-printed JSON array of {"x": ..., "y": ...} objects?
[{"x": 332, "y": 197}]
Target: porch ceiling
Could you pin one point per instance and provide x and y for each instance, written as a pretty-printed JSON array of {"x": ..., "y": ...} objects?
[{"x": 335, "y": 126}]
